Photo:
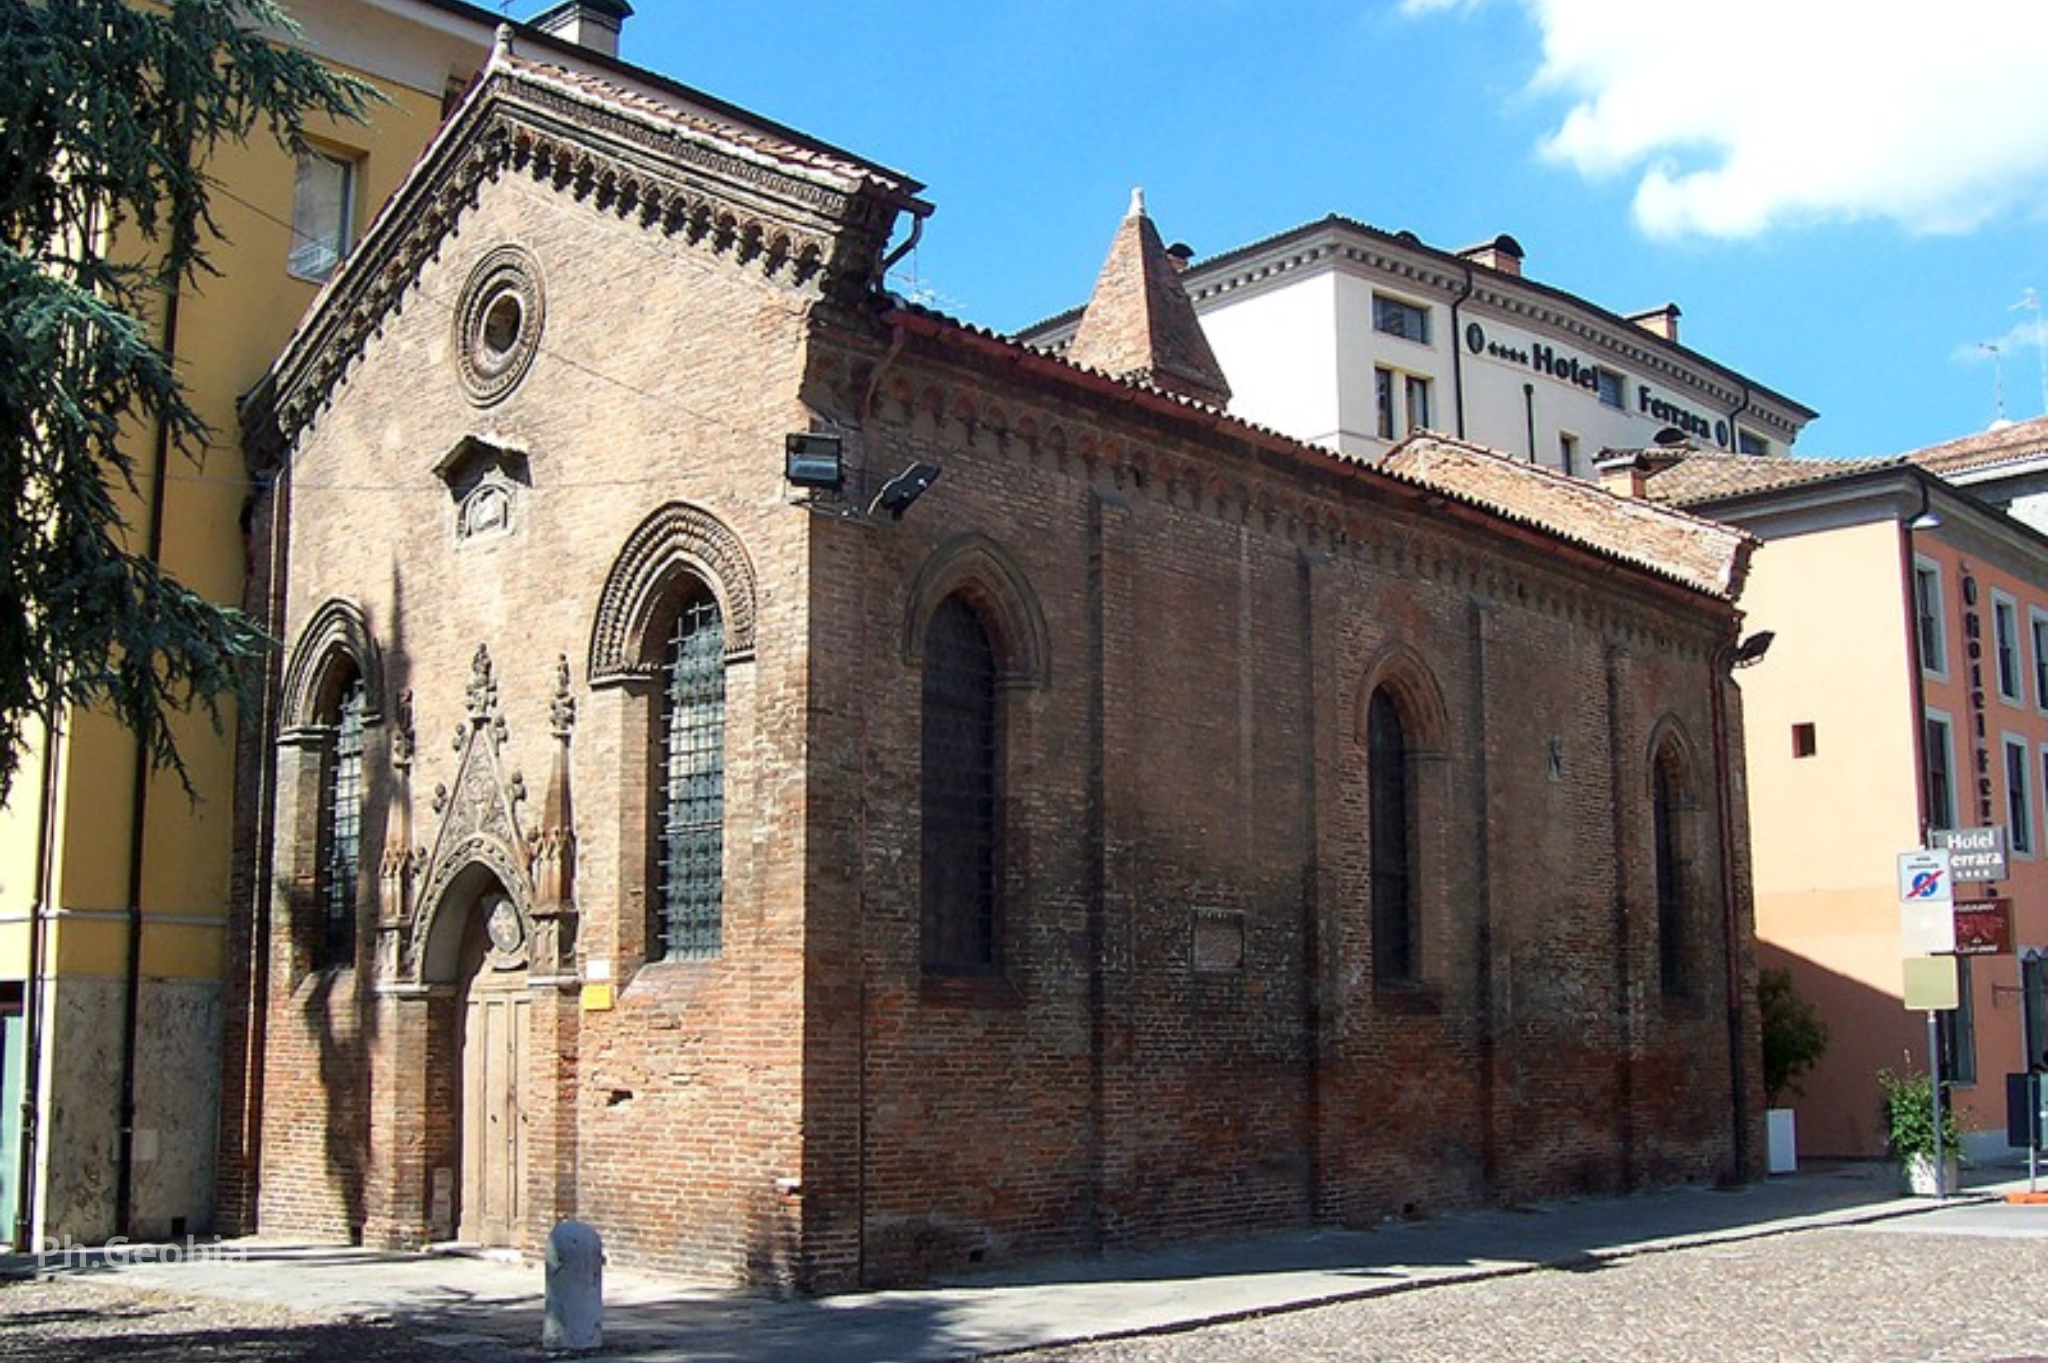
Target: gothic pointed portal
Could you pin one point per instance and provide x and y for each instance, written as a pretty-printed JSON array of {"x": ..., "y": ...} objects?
[
  {"x": 479, "y": 828},
  {"x": 1140, "y": 323}
]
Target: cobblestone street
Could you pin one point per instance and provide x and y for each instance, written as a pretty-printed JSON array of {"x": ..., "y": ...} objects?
[
  {"x": 1898, "y": 1290},
  {"x": 1867, "y": 1295}
]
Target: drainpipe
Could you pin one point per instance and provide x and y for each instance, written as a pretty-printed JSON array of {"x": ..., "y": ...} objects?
[
  {"x": 32, "y": 998},
  {"x": 909, "y": 245},
  {"x": 1914, "y": 664},
  {"x": 138, "y": 817},
  {"x": 183, "y": 233},
  {"x": 1458, "y": 351},
  {"x": 257, "y": 1032},
  {"x": 1720, "y": 678},
  {"x": 1735, "y": 434}
]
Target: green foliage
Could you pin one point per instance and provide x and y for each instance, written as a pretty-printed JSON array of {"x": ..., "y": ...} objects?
[
  {"x": 1907, "y": 1109},
  {"x": 1794, "y": 1036},
  {"x": 108, "y": 112}
]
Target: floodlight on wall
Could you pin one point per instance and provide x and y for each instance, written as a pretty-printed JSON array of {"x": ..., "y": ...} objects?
[
  {"x": 1751, "y": 650},
  {"x": 813, "y": 460},
  {"x": 906, "y": 487}
]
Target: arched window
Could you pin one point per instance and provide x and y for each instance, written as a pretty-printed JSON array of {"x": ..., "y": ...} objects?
[
  {"x": 690, "y": 874},
  {"x": 1667, "y": 805},
  {"x": 341, "y": 820},
  {"x": 1392, "y": 799},
  {"x": 959, "y": 791}
]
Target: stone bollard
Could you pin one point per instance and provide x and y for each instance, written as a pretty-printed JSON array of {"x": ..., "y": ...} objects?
[{"x": 575, "y": 1295}]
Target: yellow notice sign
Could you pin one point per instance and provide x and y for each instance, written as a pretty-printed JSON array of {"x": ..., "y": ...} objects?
[
  {"x": 1930, "y": 982},
  {"x": 597, "y": 998}
]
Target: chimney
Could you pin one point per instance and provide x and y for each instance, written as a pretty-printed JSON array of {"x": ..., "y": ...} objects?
[
  {"x": 1659, "y": 321},
  {"x": 591, "y": 24},
  {"x": 1503, "y": 253},
  {"x": 1625, "y": 473}
]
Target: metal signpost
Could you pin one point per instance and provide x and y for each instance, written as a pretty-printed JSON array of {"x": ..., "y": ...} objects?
[{"x": 1927, "y": 937}]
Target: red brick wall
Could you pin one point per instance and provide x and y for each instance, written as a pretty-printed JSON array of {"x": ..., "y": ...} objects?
[
  {"x": 1198, "y": 743},
  {"x": 1196, "y": 620}
]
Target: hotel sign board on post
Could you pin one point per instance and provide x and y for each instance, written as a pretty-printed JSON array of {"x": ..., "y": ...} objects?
[{"x": 1974, "y": 853}]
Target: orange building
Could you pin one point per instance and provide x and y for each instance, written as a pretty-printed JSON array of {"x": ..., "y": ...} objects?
[{"x": 1906, "y": 693}]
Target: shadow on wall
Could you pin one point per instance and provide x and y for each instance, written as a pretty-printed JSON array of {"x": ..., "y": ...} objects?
[{"x": 1869, "y": 1030}]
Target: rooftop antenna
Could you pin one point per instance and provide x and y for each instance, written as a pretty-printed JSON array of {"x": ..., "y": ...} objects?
[
  {"x": 1997, "y": 382},
  {"x": 2032, "y": 302}
]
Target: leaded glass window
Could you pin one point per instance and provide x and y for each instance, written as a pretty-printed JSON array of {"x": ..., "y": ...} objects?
[
  {"x": 1671, "y": 925},
  {"x": 1393, "y": 816},
  {"x": 959, "y": 791},
  {"x": 692, "y": 788},
  {"x": 342, "y": 828}
]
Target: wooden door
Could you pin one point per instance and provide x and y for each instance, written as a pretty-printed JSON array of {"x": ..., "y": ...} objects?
[{"x": 493, "y": 1109}]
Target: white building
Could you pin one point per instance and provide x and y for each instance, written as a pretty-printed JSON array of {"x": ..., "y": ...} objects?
[{"x": 1350, "y": 337}]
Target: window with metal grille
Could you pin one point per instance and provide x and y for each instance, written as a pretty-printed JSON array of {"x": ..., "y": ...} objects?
[
  {"x": 1393, "y": 830},
  {"x": 1666, "y": 792},
  {"x": 341, "y": 826},
  {"x": 959, "y": 792},
  {"x": 692, "y": 870}
]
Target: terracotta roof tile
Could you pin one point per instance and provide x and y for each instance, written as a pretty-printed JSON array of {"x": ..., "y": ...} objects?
[
  {"x": 1703, "y": 554},
  {"x": 1707, "y": 476},
  {"x": 687, "y": 117},
  {"x": 2019, "y": 440}
]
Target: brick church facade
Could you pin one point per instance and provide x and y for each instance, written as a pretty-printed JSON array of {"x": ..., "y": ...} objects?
[{"x": 1156, "y": 828}]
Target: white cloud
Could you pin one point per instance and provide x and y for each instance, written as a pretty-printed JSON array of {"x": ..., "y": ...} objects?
[{"x": 1736, "y": 116}]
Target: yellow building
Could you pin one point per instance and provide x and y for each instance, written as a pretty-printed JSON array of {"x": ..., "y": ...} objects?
[
  {"x": 1905, "y": 693},
  {"x": 120, "y": 936}
]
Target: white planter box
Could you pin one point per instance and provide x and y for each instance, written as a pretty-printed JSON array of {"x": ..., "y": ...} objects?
[
  {"x": 1916, "y": 1175},
  {"x": 1781, "y": 1141}
]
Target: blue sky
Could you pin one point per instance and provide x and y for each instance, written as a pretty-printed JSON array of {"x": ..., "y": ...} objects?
[{"x": 1845, "y": 211}]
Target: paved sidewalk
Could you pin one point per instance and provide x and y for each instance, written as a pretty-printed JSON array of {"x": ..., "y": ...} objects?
[{"x": 491, "y": 1309}]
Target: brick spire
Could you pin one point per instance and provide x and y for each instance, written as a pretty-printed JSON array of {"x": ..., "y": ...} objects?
[{"x": 1139, "y": 323}]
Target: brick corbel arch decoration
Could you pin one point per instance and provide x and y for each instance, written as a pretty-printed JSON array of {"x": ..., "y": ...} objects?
[
  {"x": 993, "y": 581},
  {"x": 678, "y": 540},
  {"x": 337, "y": 630}
]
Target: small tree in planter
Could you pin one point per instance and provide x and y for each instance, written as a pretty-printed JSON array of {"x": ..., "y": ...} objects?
[
  {"x": 1794, "y": 1040},
  {"x": 1794, "y": 1036},
  {"x": 1908, "y": 1112}
]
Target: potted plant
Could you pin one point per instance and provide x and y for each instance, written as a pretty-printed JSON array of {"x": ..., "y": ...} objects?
[
  {"x": 1908, "y": 1113},
  {"x": 1794, "y": 1041}
]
